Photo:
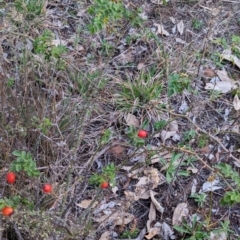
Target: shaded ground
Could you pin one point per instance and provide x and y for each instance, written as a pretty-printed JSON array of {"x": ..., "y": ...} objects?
[{"x": 79, "y": 110}]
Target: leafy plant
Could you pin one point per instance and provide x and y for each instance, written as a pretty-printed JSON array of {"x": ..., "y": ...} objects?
[
  {"x": 108, "y": 175},
  {"x": 133, "y": 136},
  {"x": 200, "y": 198},
  {"x": 42, "y": 45},
  {"x": 202, "y": 140},
  {"x": 30, "y": 8},
  {"x": 106, "y": 136},
  {"x": 43, "y": 125},
  {"x": 189, "y": 135},
  {"x": 159, "y": 125},
  {"x": 129, "y": 234},
  {"x": 197, "y": 24},
  {"x": 24, "y": 162},
  {"x": 11, "y": 202},
  {"x": 230, "y": 197},
  {"x": 104, "y": 12},
  {"x": 193, "y": 231},
  {"x": 177, "y": 83},
  {"x": 173, "y": 167}
]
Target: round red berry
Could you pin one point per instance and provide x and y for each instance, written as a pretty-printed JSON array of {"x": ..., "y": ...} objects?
[
  {"x": 7, "y": 211},
  {"x": 142, "y": 133},
  {"x": 11, "y": 177},
  {"x": 104, "y": 184},
  {"x": 47, "y": 188}
]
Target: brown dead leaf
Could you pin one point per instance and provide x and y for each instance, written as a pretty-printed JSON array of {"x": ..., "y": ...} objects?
[
  {"x": 180, "y": 211},
  {"x": 173, "y": 126},
  {"x": 161, "y": 29},
  {"x": 116, "y": 218},
  {"x": 131, "y": 120},
  {"x": 86, "y": 203},
  {"x": 152, "y": 232},
  {"x": 151, "y": 216},
  {"x": 156, "y": 203},
  {"x": 117, "y": 150},
  {"x": 209, "y": 73},
  {"x": 142, "y": 181},
  {"x": 105, "y": 236}
]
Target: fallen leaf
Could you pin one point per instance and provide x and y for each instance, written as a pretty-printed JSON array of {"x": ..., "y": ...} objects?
[
  {"x": 227, "y": 55},
  {"x": 155, "y": 177},
  {"x": 161, "y": 29},
  {"x": 86, "y": 203},
  {"x": 131, "y": 120},
  {"x": 209, "y": 73},
  {"x": 211, "y": 186},
  {"x": 167, "y": 231},
  {"x": 180, "y": 212},
  {"x": 218, "y": 236},
  {"x": 114, "y": 189},
  {"x": 180, "y": 27},
  {"x": 142, "y": 181},
  {"x": 179, "y": 40},
  {"x": 223, "y": 87},
  {"x": 173, "y": 126},
  {"x": 193, "y": 169},
  {"x": 152, "y": 232},
  {"x": 194, "y": 186},
  {"x": 139, "y": 156},
  {"x": 156, "y": 203},
  {"x": 140, "y": 66},
  {"x": 118, "y": 218},
  {"x": 236, "y": 103},
  {"x": 223, "y": 75},
  {"x": 173, "y": 20},
  {"x": 237, "y": 164},
  {"x": 105, "y": 236},
  {"x": 151, "y": 216},
  {"x": 166, "y": 135}
]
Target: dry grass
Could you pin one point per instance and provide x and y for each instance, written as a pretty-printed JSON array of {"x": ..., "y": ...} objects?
[{"x": 60, "y": 109}]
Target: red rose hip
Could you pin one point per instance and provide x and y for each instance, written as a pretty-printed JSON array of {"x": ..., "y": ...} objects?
[
  {"x": 7, "y": 211},
  {"x": 142, "y": 133},
  {"x": 11, "y": 177},
  {"x": 104, "y": 185},
  {"x": 47, "y": 188}
]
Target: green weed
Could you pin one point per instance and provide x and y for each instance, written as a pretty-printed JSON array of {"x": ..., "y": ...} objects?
[
  {"x": 177, "y": 83},
  {"x": 24, "y": 162},
  {"x": 108, "y": 174}
]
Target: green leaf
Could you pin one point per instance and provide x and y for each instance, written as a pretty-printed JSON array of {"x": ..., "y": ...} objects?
[
  {"x": 181, "y": 229},
  {"x": 17, "y": 153}
]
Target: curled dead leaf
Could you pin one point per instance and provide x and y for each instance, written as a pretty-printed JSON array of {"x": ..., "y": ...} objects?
[
  {"x": 161, "y": 29},
  {"x": 180, "y": 212},
  {"x": 156, "y": 203}
]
